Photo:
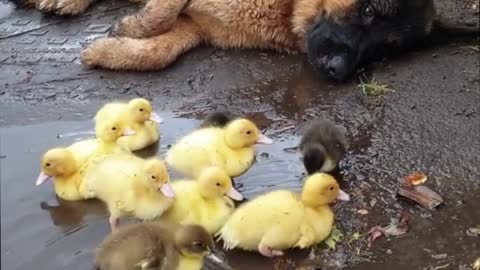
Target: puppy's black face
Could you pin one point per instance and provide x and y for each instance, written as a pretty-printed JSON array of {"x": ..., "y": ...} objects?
[{"x": 340, "y": 41}]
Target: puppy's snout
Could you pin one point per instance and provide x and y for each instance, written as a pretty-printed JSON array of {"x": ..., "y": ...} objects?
[{"x": 336, "y": 67}]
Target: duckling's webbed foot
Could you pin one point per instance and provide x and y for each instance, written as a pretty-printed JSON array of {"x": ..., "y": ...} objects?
[{"x": 268, "y": 252}]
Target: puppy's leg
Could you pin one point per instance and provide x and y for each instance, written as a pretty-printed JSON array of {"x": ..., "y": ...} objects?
[
  {"x": 157, "y": 17},
  {"x": 143, "y": 54}
]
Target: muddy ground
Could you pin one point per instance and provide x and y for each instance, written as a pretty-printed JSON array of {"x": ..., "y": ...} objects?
[{"x": 430, "y": 122}]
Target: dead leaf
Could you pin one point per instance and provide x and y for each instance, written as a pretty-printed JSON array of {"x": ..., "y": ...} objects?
[
  {"x": 374, "y": 233},
  {"x": 396, "y": 227},
  {"x": 415, "y": 179},
  {"x": 474, "y": 231},
  {"x": 334, "y": 238},
  {"x": 362, "y": 211},
  {"x": 440, "y": 256},
  {"x": 423, "y": 195},
  {"x": 476, "y": 264}
]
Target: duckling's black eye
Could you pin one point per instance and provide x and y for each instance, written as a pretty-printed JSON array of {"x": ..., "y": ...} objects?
[
  {"x": 114, "y": 128},
  {"x": 47, "y": 164},
  {"x": 153, "y": 177},
  {"x": 332, "y": 188},
  {"x": 141, "y": 109},
  {"x": 218, "y": 184},
  {"x": 249, "y": 132}
]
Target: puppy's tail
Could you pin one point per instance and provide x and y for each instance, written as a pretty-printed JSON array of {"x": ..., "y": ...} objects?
[{"x": 313, "y": 157}]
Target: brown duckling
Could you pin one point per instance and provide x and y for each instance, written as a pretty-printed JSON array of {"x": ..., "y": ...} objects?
[
  {"x": 156, "y": 246},
  {"x": 323, "y": 145}
]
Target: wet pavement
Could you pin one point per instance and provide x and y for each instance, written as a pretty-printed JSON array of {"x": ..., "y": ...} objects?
[{"x": 431, "y": 123}]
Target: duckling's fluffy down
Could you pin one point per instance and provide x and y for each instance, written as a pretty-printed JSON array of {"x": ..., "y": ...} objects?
[
  {"x": 277, "y": 219},
  {"x": 206, "y": 147}
]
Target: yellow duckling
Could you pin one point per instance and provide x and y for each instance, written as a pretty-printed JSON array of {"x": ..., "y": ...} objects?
[
  {"x": 154, "y": 245},
  {"x": 130, "y": 186},
  {"x": 283, "y": 219},
  {"x": 139, "y": 115},
  {"x": 205, "y": 202},
  {"x": 66, "y": 165},
  {"x": 230, "y": 148},
  {"x": 60, "y": 164},
  {"x": 107, "y": 135}
]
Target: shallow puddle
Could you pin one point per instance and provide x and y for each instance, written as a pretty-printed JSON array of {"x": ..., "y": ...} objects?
[{"x": 41, "y": 231}]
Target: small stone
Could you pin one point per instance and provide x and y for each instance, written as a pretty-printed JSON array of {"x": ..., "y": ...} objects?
[
  {"x": 440, "y": 256},
  {"x": 265, "y": 155}
]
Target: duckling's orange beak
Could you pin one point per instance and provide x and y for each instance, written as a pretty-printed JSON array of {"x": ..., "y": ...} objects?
[
  {"x": 42, "y": 178},
  {"x": 167, "y": 190},
  {"x": 262, "y": 139},
  {"x": 343, "y": 196},
  {"x": 155, "y": 118},
  {"x": 234, "y": 194}
]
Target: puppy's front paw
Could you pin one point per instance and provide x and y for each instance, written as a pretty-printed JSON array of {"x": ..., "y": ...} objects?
[
  {"x": 71, "y": 7},
  {"x": 95, "y": 53},
  {"x": 105, "y": 52},
  {"x": 46, "y": 5}
]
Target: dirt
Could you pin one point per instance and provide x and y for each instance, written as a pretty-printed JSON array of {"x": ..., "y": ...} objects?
[{"x": 429, "y": 123}]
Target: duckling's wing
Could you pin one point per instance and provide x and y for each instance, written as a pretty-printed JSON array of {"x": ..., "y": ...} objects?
[
  {"x": 110, "y": 110},
  {"x": 307, "y": 236},
  {"x": 83, "y": 150},
  {"x": 194, "y": 152},
  {"x": 265, "y": 218}
]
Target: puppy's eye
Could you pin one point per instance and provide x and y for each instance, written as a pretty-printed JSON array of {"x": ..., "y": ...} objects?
[
  {"x": 368, "y": 12},
  {"x": 141, "y": 109},
  {"x": 114, "y": 128},
  {"x": 47, "y": 164}
]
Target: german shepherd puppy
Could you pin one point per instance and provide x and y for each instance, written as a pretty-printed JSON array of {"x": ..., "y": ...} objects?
[{"x": 336, "y": 35}]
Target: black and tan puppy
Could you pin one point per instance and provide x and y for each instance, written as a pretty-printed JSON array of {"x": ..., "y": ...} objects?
[
  {"x": 155, "y": 246},
  {"x": 323, "y": 145},
  {"x": 337, "y": 35}
]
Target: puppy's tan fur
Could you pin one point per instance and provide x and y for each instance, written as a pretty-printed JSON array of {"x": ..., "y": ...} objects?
[{"x": 165, "y": 29}]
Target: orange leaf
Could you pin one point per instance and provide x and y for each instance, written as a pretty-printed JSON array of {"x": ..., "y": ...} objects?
[{"x": 416, "y": 178}]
